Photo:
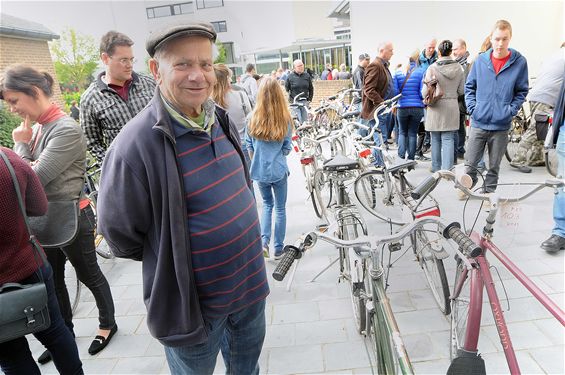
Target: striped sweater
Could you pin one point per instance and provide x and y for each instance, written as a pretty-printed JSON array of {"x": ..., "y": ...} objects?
[{"x": 222, "y": 221}]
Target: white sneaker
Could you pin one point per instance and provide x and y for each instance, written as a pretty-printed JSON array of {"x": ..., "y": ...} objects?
[{"x": 266, "y": 252}]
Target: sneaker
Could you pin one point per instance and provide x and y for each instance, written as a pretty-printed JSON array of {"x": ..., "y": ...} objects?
[
  {"x": 553, "y": 244},
  {"x": 522, "y": 168},
  {"x": 266, "y": 251},
  {"x": 278, "y": 255}
]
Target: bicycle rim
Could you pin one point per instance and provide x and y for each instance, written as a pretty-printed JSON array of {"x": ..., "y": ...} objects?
[
  {"x": 102, "y": 248},
  {"x": 514, "y": 137},
  {"x": 459, "y": 312},
  {"x": 374, "y": 194},
  {"x": 551, "y": 162},
  {"x": 349, "y": 231},
  {"x": 433, "y": 270}
]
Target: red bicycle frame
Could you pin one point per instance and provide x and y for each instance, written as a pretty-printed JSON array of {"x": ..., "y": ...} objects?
[{"x": 481, "y": 278}]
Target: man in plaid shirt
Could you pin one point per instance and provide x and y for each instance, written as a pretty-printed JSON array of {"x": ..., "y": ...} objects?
[{"x": 116, "y": 95}]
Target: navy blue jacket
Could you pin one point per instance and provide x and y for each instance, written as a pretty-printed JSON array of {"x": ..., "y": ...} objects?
[
  {"x": 142, "y": 215},
  {"x": 493, "y": 99},
  {"x": 412, "y": 91}
]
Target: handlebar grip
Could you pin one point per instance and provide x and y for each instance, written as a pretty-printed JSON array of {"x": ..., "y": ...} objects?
[
  {"x": 467, "y": 246},
  {"x": 290, "y": 254},
  {"x": 424, "y": 187}
]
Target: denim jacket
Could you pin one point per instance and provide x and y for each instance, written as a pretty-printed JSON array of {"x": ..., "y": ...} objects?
[{"x": 269, "y": 158}]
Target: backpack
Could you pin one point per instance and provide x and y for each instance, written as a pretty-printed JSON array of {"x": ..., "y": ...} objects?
[{"x": 434, "y": 90}]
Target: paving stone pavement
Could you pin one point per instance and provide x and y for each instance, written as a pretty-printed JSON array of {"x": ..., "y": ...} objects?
[{"x": 310, "y": 328}]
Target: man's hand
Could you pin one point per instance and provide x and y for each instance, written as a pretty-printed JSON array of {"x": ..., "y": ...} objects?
[{"x": 23, "y": 132}]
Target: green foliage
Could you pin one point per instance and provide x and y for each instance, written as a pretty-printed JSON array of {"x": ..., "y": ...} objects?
[
  {"x": 76, "y": 58},
  {"x": 68, "y": 97},
  {"x": 221, "y": 59},
  {"x": 8, "y": 122}
]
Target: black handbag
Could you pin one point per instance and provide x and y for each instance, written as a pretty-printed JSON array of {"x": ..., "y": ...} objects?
[
  {"x": 542, "y": 124},
  {"x": 23, "y": 307}
]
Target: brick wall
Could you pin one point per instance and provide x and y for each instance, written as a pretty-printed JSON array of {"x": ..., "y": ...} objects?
[
  {"x": 323, "y": 89},
  {"x": 34, "y": 53}
]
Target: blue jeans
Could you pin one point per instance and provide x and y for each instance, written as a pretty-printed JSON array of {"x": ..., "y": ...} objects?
[
  {"x": 15, "y": 356},
  {"x": 408, "y": 122},
  {"x": 300, "y": 112},
  {"x": 279, "y": 190},
  {"x": 443, "y": 146},
  {"x": 559, "y": 200},
  {"x": 239, "y": 336}
]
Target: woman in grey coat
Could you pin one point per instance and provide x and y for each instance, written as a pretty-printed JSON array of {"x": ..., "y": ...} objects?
[{"x": 442, "y": 119}]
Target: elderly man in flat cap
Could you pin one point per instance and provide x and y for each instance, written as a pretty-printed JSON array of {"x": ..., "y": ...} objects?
[{"x": 175, "y": 194}]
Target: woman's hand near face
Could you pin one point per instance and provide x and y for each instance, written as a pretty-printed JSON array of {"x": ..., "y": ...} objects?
[{"x": 23, "y": 132}]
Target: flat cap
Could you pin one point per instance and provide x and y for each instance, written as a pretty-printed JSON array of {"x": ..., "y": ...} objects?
[
  {"x": 157, "y": 37},
  {"x": 364, "y": 56}
]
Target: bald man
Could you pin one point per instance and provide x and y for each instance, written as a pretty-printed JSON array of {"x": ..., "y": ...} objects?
[{"x": 300, "y": 82}]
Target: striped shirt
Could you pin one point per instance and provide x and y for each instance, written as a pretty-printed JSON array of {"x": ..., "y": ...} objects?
[
  {"x": 223, "y": 224},
  {"x": 103, "y": 112}
]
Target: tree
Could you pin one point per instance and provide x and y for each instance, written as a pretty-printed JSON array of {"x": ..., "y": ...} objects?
[
  {"x": 221, "y": 59},
  {"x": 76, "y": 58}
]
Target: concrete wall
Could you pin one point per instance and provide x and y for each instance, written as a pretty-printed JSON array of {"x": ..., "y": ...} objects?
[
  {"x": 34, "y": 53},
  {"x": 538, "y": 27}
]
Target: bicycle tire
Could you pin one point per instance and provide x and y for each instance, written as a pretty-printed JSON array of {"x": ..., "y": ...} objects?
[
  {"x": 102, "y": 248},
  {"x": 551, "y": 162},
  {"x": 514, "y": 137},
  {"x": 434, "y": 270},
  {"x": 459, "y": 312},
  {"x": 348, "y": 231},
  {"x": 73, "y": 286},
  {"x": 382, "y": 203}
]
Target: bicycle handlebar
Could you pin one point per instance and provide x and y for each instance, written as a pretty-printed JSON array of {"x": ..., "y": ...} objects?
[
  {"x": 426, "y": 186},
  {"x": 365, "y": 244}
]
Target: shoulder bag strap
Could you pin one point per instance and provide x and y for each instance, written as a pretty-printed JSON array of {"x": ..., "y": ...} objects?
[
  {"x": 406, "y": 79},
  {"x": 32, "y": 238}
]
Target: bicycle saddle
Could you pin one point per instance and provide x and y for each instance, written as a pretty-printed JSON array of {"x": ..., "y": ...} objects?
[
  {"x": 402, "y": 164},
  {"x": 340, "y": 163}
]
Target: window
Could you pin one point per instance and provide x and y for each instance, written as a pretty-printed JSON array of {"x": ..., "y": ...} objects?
[
  {"x": 228, "y": 47},
  {"x": 203, "y": 4},
  {"x": 170, "y": 10},
  {"x": 220, "y": 26}
]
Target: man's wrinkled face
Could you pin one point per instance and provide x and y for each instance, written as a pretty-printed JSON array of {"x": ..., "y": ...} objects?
[
  {"x": 500, "y": 40},
  {"x": 185, "y": 73}
]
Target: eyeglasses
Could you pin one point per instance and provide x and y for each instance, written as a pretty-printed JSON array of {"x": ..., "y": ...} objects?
[{"x": 125, "y": 61}]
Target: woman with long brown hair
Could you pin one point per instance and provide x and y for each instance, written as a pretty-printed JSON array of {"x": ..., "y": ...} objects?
[{"x": 268, "y": 141}]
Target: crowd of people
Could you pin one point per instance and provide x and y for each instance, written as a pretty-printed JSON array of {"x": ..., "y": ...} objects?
[{"x": 180, "y": 152}]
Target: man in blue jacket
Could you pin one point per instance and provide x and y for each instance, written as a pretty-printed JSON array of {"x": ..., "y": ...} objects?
[
  {"x": 495, "y": 89},
  {"x": 175, "y": 194}
]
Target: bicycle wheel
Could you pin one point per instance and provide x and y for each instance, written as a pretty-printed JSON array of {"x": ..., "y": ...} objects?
[
  {"x": 514, "y": 137},
  {"x": 551, "y": 162},
  {"x": 459, "y": 311},
  {"x": 73, "y": 286},
  {"x": 433, "y": 268},
  {"x": 348, "y": 230},
  {"x": 375, "y": 194}
]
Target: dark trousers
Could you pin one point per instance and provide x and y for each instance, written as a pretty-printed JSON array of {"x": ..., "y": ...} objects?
[
  {"x": 460, "y": 137},
  {"x": 82, "y": 255},
  {"x": 15, "y": 356}
]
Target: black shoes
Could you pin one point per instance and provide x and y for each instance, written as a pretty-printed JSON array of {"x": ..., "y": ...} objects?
[
  {"x": 44, "y": 358},
  {"x": 522, "y": 168},
  {"x": 100, "y": 342},
  {"x": 553, "y": 244}
]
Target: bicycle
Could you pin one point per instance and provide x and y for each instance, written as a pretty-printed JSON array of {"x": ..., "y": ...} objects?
[
  {"x": 518, "y": 127},
  {"x": 473, "y": 276},
  {"x": 386, "y": 194},
  {"x": 369, "y": 292}
]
